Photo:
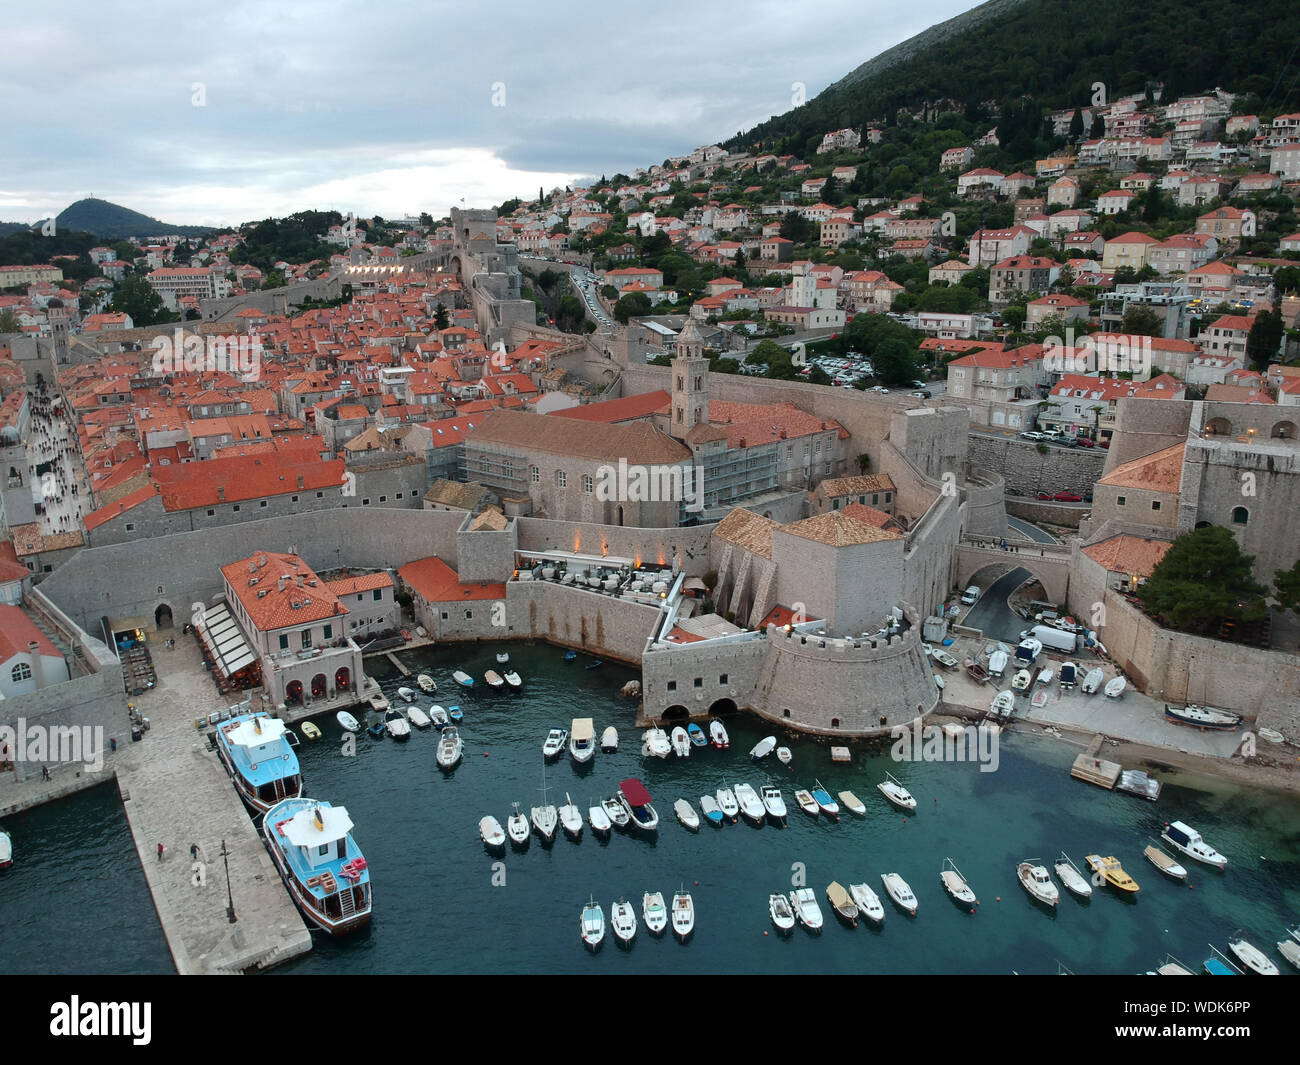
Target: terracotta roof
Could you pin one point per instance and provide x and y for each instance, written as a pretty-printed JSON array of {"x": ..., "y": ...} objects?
[
  {"x": 1161, "y": 471},
  {"x": 463, "y": 495},
  {"x": 267, "y": 585},
  {"x": 18, "y": 631},
  {"x": 1128, "y": 554},
  {"x": 436, "y": 582},
  {"x": 612, "y": 411},
  {"x": 635, "y": 441},
  {"x": 367, "y": 582},
  {"x": 836, "y": 529},
  {"x": 490, "y": 519},
  {"x": 870, "y": 515},
  {"x": 854, "y": 486},
  {"x": 747, "y": 530}
]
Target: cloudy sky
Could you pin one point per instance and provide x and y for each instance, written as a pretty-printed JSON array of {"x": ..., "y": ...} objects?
[{"x": 248, "y": 109}]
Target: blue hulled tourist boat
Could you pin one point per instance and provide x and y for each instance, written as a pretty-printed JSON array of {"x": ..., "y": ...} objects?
[
  {"x": 311, "y": 844},
  {"x": 257, "y": 751}
]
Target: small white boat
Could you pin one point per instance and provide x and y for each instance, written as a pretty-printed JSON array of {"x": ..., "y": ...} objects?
[
  {"x": 6, "y": 850},
  {"x": 398, "y": 727},
  {"x": 418, "y": 717},
  {"x": 503, "y": 657},
  {"x": 517, "y": 827},
  {"x": 609, "y": 740},
  {"x": 655, "y": 743},
  {"x": 869, "y": 904},
  {"x": 824, "y": 801},
  {"x": 773, "y": 803},
  {"x": 1171, "y": 966},
  {"x": 944, "y": 658},
  {"x": 450, "y": 747},
  {"x": 1045, "y": 677},
  {"x": 1164, "y": 862},
  {"x": 407, "y": 693},
  {"x": 1189, "y": 841},
  {"x": 1092, "y": 681},
  {"x": 494, "y": 679},
  {"x": 683, "y": 914},
  {"x": 804, "y": 903},
  {"x": 841, "y": 902},
  {"x": 347, "y": 722},
  {"x": 806, "y": 802},
  {"x": 718, "y": 734},
  {"x": 1202, "y": 717},
  {"x": 1270, "y": 734},
  {"x": 751, "y": 806},
  {"x": 593, "y": 924},
  {"x": 938, "y": 682},
  {"x": 763, "y": 748},
  {"x": 1115, "y": 687},
  {"x": 571, "y": 818},
  {"x": 582, "y": 740},
  {"x": 686, "y": 815},
  {"x": 852, "y": 803},
  {"x": 598, "y": 819},
  {"x": 681, "y": 742},
  {"x": 955, "y": 884},
  {"x": 785, "y": 756},
  {"x": 1021, "y": 681},
  {"x": 623, "y": 917},
  {"x": 544, "y": 819},
  {"x": 439, "y": 717},
  {"x": 727, "y": 802},
  {"x": 615, "y": 811},
  {"x": 897, "y": 889},
  {"x": 1251, "y": 956},
  {"x": 554, "y": 742},
  {"x": 778, "y": 907},
  {"x": 711, "y": 810},
  {"x": 489, "y": 830},
  {"x": 426, "y": 683},
  {"x": 892, "y": 790},
  {"x": 310, "y": 730},
  {"x": 514, "y": 680},
  {"x": 1003, "y": 705},
  {"x": 1075, "y": 882},
  {"x": 1290, "y": 948},
  {"x": 997, "y": 663},
  {"x": 654, "y": 912},
  {"x": 1035, "y": 879},
  {"x": 463, "y": 679}
]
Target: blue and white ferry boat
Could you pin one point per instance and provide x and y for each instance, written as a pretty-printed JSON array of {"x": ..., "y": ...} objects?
[
  {"x": 311, "y": 844},
  {"x": 257, "y": 751}
]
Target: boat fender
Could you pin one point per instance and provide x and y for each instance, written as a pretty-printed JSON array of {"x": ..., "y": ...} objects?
[{"x": 252, "y": 765}]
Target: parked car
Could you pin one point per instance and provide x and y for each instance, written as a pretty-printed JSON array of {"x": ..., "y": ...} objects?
[
  {"x": 1029, "y": 434},
  {"x": 1045, "y": 495},
  {"x": 1068, "y": 497},
  {"x": 971, "y": 595},
  {"x": 923, "y": 394},
  {"x": 1103, "y": 444},
  {"x": 1084, "y": 441}
]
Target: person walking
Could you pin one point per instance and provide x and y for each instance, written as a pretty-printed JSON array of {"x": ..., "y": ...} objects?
[{"x": 160, "y": 852}]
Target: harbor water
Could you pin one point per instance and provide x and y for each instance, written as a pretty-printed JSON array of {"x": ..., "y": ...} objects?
[{"x": 443, "y": 903}]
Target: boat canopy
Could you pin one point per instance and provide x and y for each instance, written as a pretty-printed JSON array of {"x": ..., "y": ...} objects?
[
  {"x": 247, "y": 734},
  {"x": 634, "y": 791},
  {"x": 582, "y": 729},
  {"x": 301, "y": 831}
]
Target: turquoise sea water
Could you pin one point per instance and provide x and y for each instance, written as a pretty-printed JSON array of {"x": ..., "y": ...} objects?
[{"x": 440, "y": 904}]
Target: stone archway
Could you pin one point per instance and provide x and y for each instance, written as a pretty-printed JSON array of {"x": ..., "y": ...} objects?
[
  {"x": 162, "y": 617},
  {"x": 723, "y": 706},
  {"x": 676, "y": 712}
]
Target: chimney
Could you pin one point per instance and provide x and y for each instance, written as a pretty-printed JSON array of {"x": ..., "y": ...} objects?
[
  {"x": 300, "y": 480},
  {"x": 221, "y": 493},
  {"x": 299, "y": 580},
  {"x": 38, "y": 670}
]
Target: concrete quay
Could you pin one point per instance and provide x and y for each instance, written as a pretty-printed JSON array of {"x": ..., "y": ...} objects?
[{"x": 175, "y": 792}]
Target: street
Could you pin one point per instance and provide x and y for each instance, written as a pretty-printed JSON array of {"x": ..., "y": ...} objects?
[{"x": 991, "y": 614}]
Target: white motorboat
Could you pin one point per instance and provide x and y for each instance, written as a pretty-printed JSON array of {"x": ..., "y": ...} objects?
[
  {"x": 6, "y": 850},
  {"x": 494, "y": 679},
  {"x": 397, "y": 725},
  {"x": 462, "y": 678},
  {"x": 1251, "y": 956},
  {"x": 1115, "y": 687},
  {"x": 593, "y": 924},
  {"x": 1189, "y": 841},
  {"x": 450, "y": 747},
  {"x": 571, "y": 818},
  {"x": 503, "y": 657},
  {"x": 1035, "y": 879},
  {"x": 804, "y": 903},
  {"x": 618, "y": 816},
  {"x": 1021, "y": 681},
  {"x": 686, "y": 815},
  {"x": 939, "y": 682},
  {"x": 711, "y": 810},
  {"x": 655, "y": 743},
  {"x": 1045, "y": 677},
  {"x": 554, "y": 742},
  {"x": 426, "y": 683},
  {"x": 347, "y": 722},
  {"x": 1075, "y": 882},
  {"x": 582, "y": 740},
  {"x": 892, "y": 790},
  {"x": 773, "y": 803},
  {"x": 869, "y": 904},
  {"x": 609, "y": 740},
  {"x": 1003, "y": 705},
  {"x": 544, "y": 817},
  {"x": 514, "y": 681},
  {"x": 897, "y": 889},
  {"x": 683, "y": 914},
  {"x": 623, "y": 917},
  {"x": 681, "y": 742},
  {"x": 785, "y": 756},
  {"x": 1171, "y": 966},
  {"x": 418, "y": 717},
  {"x": 852, "y": 803},
  {"x": 1202, "y": 717},
  {"x": 763, "y": 748},
  {"x": 944, "y": 658},
  {"x": 489, "y": 830},
  {"x": 406, "y": 693},
  {"x": 997, "y": 663},
  {"x": 1164, "y": 862},
  {"x": 636, "y": 800},
  {"x": 751, "y": 807},
  {"x": 824, "y": 801},
  {"x": 778, "y": 907},
  {"x": 654, "y": 912},
  {"x": 1092, "y": 681},
  {"x": 517, "y": 827},
  {"x": 439, "y": 717},
  {"x": 599, "y": 820},
  {"x": 718, "y": 734},
  {"x": 841, "y": 902},
  {"x": 806, "y": 802},
  {"x": 727, "y": 801},
  {"x": 1290, "y": 948},
  {"x": 955, "y": 884}
]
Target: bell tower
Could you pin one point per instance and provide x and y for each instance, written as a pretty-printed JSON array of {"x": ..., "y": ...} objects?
[{"x": 690, "y": 402}]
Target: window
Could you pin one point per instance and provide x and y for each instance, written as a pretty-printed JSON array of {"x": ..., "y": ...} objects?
[
  {"x": 1240, "y": 515},
  {"x": 306, "y": 638},
  {"x": 444, "y": 615},
  {"x": 561, "y": 479},
  {"x": 1119, "y": 501},
  {"x": 329, "y": 632},
  {"x": 235, "y": 508},
  {"x": 211, "y": 513},
  {"x": 365, "y": 502},
  {"x": 722, "y": 678},
  {"x": 672, "y": 685},
  {"x": 130, "y": 526},
  {"x": 534, "y": 475},
  {"x": 699, "y": 682},
  {"x": 293, "y": 499},
  {"x": 383, "y": 499},
  {"x": 22, "y": 671},
  {"x": 320, "y": 495},
  {"x": 262, "y": 503},
  {"x": 468, "y": 614},
  {"x": 399, "y": 495},
  {"x": 379, "y": 595},
  {"x": 1155, "y": 504},
  {"x": 284, "y": 641},
  {"x": 324, "y": 849},
  {"x": 587, "y": 483}
]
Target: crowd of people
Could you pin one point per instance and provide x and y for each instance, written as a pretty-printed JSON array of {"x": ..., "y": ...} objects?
[{"x": 53, "y": 454}]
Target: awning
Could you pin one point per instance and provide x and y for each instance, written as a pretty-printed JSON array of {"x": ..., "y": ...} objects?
[
  {"x": 694, "y": 584},
  {"x": 634, "y": 792},
  {"x": 582, "y": 728},
  {"x": 224, "y": 640}
]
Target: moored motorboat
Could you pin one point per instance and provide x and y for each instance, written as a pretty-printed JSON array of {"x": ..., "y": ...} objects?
[
  {"x": 418, "y": 717},
  {"x": 347, "y": 722},
  {"x": 554, "y": 742},
  {"x": 696, "y": 735},
  {"x": 1202, "y": 717},
  {"x": 1115, "y": 687},
  {"x": 1250, "y": 955},
  {"x": 869, "y": 904},
  {"x": 517, "y": 828},
  {"x": 614, "y": 810},
  {"x": 450, "y": 747},
  {"x": 1171, "y": 966},
  {"x": 599, "y": 820},
  {"x": 491, "y": 833},
  {"x": 570, "y": 818},
  {"x": 683, "y": 914},
  {"x": 636, "y": 801},
  {"x": 312, "y": 846},
  {"x": 6, "y": 850},
  {"x": 257, "y": 753},
  {"x": 751, "y": 807},
  {"x": 825, "y": 803},
  {"x": 892, "y": 790},
  {"x": 804, "y": 903},
  {"x": 763, "y": 748},
  {"x": 655, "y": 743},
  {"x": 654, "y": 912},
  {"x": 1290, "y": 948},
  {"x": 514, "y": 680},
  {"x": 426, "y": 683},
  {"x": 569, "y": 656},
  {"x": 397, "y": 725},
  {"x": 406, "y": 693},
  {"x": 623, "y": 917},
  {"x": 778, "y": 908},
  {"x": 1075, "y": 882},
  {"x": 1092, "y": 681},
  {"x": 785, "y": 756},
  {"x": 592, "y": 925},
  {"x": 686, "y": 815},
  {"x": 727, "y": 801},
  {"x": 609, "y": 740},
  {"x": 842, "y": 903},
  {"x": 455, "y": 713},
  {"x": 463, "y": 679},
  {"x": 773, "y": 803},
  {"x": 503, "y": 657},
  {"x": 711, "y": 810},
  {"x": 494, "y": 680},
  {"x": 1036, "y": 880},
  {"x": 852, "y": 803},
  {"x": 1164, "y": 862},
  {"x": 1189, "y": 841},
  {"x": 955, "y": 884},
  {"x": 544, "y": 817},
  {"x": 681, "y": 742},
  {"x": 310, "y": 730},
  {"x": 582, "y": 740},
  {"x": 898, "y": 889},
  {"x": 1218, "y": 965},
  {"x": 806, "y": 802},
  {"x": 1112, "y": 873},
  {"x": 438, "y": 716},
  {"x": 718, "y": 733}
]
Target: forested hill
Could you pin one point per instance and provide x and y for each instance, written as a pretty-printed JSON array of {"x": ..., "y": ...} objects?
[{"x": 1054, "y": 51}]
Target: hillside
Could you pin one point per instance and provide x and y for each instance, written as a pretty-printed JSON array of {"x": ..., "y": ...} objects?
[
  {"x": 111, "y": 221},
  {"x": 1054, "y": 51}
]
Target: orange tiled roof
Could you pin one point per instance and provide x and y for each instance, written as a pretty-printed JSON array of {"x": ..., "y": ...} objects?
[
  {"x": 278, "y": 590},
  {"x": 1128, "y": 554},
  {"x": 1161, "y": 471},
  {"x": 436, "y": 582}
]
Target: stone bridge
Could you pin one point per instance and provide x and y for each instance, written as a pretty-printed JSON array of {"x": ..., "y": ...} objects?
[{"x": 1050, "y": 563}]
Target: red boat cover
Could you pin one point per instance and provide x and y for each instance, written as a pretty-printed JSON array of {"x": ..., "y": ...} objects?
[{"x": 634, "y": 791}]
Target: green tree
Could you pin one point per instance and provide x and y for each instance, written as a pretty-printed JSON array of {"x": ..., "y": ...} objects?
[
  {"x": 895, "y": 363},
  {"x": 136, "y": 297},
  {"x": 1264, "y": 339},
  {"x": 632, "y": 305},
  {"x": 1286, "y": 587},
  {"x": 1076, "y": 126},
  {"x": 441, "y": 320},
  {"x": 8, "y": 321},
  {"x": 1203, "y": 580},
  {"x": 1142, "y": 321}
]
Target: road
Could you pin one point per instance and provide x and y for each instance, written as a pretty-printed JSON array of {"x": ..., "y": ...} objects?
[
  {"x": 991, "y": 614},
  {"x": 585, "y": 282}
]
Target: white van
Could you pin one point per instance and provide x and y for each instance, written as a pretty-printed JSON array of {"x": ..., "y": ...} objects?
[{"x": 971, "y": 595}]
